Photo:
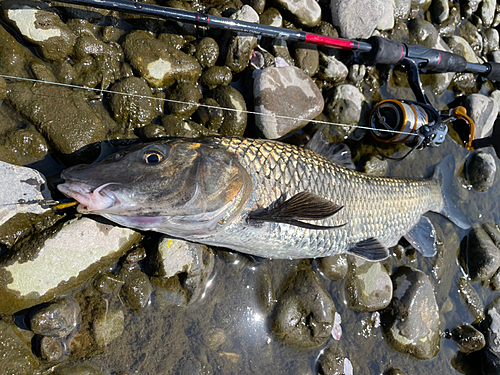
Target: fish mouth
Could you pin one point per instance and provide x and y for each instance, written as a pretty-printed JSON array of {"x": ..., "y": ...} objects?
[{"x": 91, "y": 198}]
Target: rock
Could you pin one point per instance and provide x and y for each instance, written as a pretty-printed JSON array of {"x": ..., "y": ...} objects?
[
  {"x": 214, "y": 337},
  {"x": 483, "y": 111},
  {"x": 461, "y": 47},
  {"x": 265, "y": 291},
  {"x": 136, "y": 290},
  {"x": 357, "y": 18},
  {"x": 216, "y": 76},
  {"x": 357, "y": 74},
  {"x": 491, "y": 40},
  {"x": 54, "y": 263},
  {"x": 207, "y": 52},
  {"x": 182, "y": 269},
  {"x": 368, "y": 286},
  {"x": 159, "y": 65},
  {"x": 76, "y": 369},
  {"x": 470, "y": 33},
  {"x": 52, "y": 349},
  {"x": 402, "y": 10},
  {"x": 331, "y": 69},
  {"x": 27, "y": 144},
  {"x": 307, "y": 58},
  {"x": 481, "y": 170},
  {"x": 471, "y": 299},
  {"x": 482, "y": 259},
  {"x": 468, "y": 338},
  {"x": 184, "y": 98},
  {"x": 440, "y": 10},
  {"x": 334, "y": 267},
  {"x": 271, "y": 17},
  {"x": 241, "y": 45},
  {"x": 15, "y": 354},
  {"x": 346, "y": 107},
  {"x": 487, "y": 12},
  {"x": 307, "y": 12},
  {"x": 447, "y": 28},
  {"x": 133, "y": 106},
  {"x": 491, "y": 331},
  {"x": 19, "y": 185},
  {"x": 289, "y": 92},
  {"x": 209, "y": 114},
  {"x": 331, "y": 361},
  {"x": 59, "y": 319},
  {"x": 374, "y": 166},
  {"x": 386, "y": 22},
  {"x": 411, "y": 322},
  {"x": 70, "y": 125},
  {"x": 304, "y": 313},
  {"x": 235, "y": 121},
  {"x": 424, "y": 33},
  {"x": 176, "y": 126},
  {"x": 40, "y": 25}
]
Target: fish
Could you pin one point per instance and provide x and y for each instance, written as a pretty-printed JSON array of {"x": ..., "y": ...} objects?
[{"x": 260, "y": 197}]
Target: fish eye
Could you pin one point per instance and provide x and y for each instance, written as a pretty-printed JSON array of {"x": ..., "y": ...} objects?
[{"x": 153, "y": 157}]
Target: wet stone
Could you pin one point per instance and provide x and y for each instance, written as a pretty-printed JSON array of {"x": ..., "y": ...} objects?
[
  {"x": 483, "y": 111},
  {"x": 15, "y": 354},
  {"x": 286, "y": 91},
  {"x": 471, "y": 299},
  {"x": 52, "y": 349},
  {"x": 411, "y": 322},
  {"x": 207, "y": 52},
  {"x": 470, "y": 33},
  {"x": 40, "y": 25},
  {"x": 136, "y": 290},
  {"x": 487, "y": 12},
  {"x": 307, "y": 58},
  {"x": 491, "y": 331},
  {"x": 481, "y": 170},
  {"x": 307, "y": 12},
  {"x": 187, "y": 93},
  {"x": 159, "y": 65},
  {"x": 331, "y": 69},
  {"x": 59, "y": 319},
  {"x": 216, "y": 76},
  {"x": 27, "y": 144},
  {"x": 357, "y": 18},
  {"x": 374, "y": 166},
  {"x": 368, "y": 286},
  {"x": 440, "y": 10},
  {"x": 447, "y": 28},
  {"x": 235, "y": 122},
  {"x": 304, "y": 313},
  {"x": 402, "y": 10},
  {"x": 483, "y": 256},
  {"x": 20, "y": 183},
  {"x": 135, "y": 110},
  {"x": 346, "y": 107},
  {"x": 271, "y": 17},
  {"x": 468, "y": 338},
  {"x": 491, "y": 40},
  {"x": 77, "y": 369},
  {"x": 209, "y": 114},
  {"x": 331, "y": 361},
  {"x": 334, "y": 267},
  {"x": 176, "y": 126}
]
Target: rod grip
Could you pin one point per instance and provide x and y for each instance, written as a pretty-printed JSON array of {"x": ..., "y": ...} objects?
[
  {"x": 494, "y": 73},
  {"x": 450, "y": 62},
  {"x": 385, "y": 51}
]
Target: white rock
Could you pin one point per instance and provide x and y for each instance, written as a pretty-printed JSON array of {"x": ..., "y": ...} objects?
[
  {"x": 18, "y": 187},
  {"x": 387, "y": 20}
]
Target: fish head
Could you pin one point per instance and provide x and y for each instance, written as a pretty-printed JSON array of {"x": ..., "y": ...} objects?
[{"x": 174, "y": 186}]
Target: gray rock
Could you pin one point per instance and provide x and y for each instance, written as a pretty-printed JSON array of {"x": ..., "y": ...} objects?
[
  {"x": 481, "y": 170},
  {"x": 334, "y": 267},
  {"x": 483, "y": 255},
  {"x": 447, "y": 28},
  {"x": 402, "y": 10},
  {"x": 487, "y": 12},
  {"x": 471, "y": 34},
  {"x": 40, "y": 25},
  {"x": 59, "y": 319},
  {"x": 307, "y": 12},
  {"x": 483, "y": 111},
  {"x": 440, "y": 10},
  {"x": 461, "y": 47},
  {"x": 184, "y": 98},
  {"x": 181, "y": 269},
  {"x": 491, "y": 40},
  {"x": 304, "y": 313},
  {"x": 468, "y": 338},
  {"x": 411, "y": 322},
  {"x": 491, "y": 331},
  {"x": 289, "y": 92},
  {"x": 307, "y": 58},
  {"x": 471, "y": 299},
  {"x": 368, "y": 286},
  {"x": 331, "y": 69},
  {"x": 85, "y": 245},
  {"x": 15, "y": 355},
  {"x": 158, "y": 64},
  {"x": 136, "y": 110},
  {"x": 374, "y": 166},
  {"x": 347, "y": 107},
  {"x": 357, "y": 18},
  {"x": 20, "y": 185},
  {"x": 235, "y": 122},
  {"x": 357, "y": 74},
  {"x": 386, "y": 22}
]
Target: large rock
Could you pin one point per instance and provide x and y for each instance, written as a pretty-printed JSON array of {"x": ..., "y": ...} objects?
[
  {"x": 481, "y": 170},
  {"x": 346, "y": 107},
  {"x": 288, "y": 92},
  {"x": 41, "y": 26},
  {"x": 411, "y": 322},
  {"x": 235, "y": 119},
  {"x": 307, "y": 12},
  {"x": 15, "y": 354},
  {"x": 483, "y": 111},
  {"x": 482, "y": 258},
  {"x": 18, "y": 187},
  {"x": 357, "y": 18},
  {"x": 55, "y": 263}
]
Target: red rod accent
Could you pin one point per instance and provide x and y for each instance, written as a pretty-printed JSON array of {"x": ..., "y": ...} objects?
[{"x": 328, "y": 41}]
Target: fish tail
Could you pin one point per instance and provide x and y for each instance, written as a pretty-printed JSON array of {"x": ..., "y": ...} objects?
[{"x": 444, "y": 174}]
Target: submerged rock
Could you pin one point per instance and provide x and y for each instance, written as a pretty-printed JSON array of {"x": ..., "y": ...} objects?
[
  {"x": 136, "y": 290},
  {"x": 482, "y": 258},
  {"x": 54, "y": 263},
  {"x": 481, "y": 170},
  {"x": 491, "y": 331},
  {"x": 59, "y": 319},
  {"x": 15, "y": 354},
  {"x": 289, "y": 92},
  {"x": 304, "y": 313},
  {"x": 411, "y": 322},
  {"x": 331, "y": 361},
  {"x": 331, "y": 69},
  {"x": 334, "y": 267},
  {"x": 468, "y": 338},
  {"x": 471, "y": 299}
]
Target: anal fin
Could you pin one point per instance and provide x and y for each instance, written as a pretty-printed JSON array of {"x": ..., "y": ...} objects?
[
  {"x": 370, "y": 249},
  {"x": 423, "y": 237}
]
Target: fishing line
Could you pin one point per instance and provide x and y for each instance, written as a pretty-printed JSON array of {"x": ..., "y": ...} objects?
[{"x": 106, "y": 91}]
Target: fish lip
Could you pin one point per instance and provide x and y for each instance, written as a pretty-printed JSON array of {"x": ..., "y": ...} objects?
[{"x": 91, "y": 198}]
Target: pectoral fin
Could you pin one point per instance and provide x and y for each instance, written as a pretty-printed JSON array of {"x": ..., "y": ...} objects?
[
  {"x": 302, "y": 206},
  {"x": 423, "y": 237},
  {"x": 370, "y": 249}
]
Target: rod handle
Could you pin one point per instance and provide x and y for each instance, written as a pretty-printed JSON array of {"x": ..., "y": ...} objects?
[{"x": 494, "y": 71}]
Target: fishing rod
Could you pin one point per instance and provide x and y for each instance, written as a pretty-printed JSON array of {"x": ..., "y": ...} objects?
[{"x": 391, "y": 119}]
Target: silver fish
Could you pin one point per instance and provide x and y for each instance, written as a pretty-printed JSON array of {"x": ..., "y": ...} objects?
[{"x": 259, "y": 197}]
